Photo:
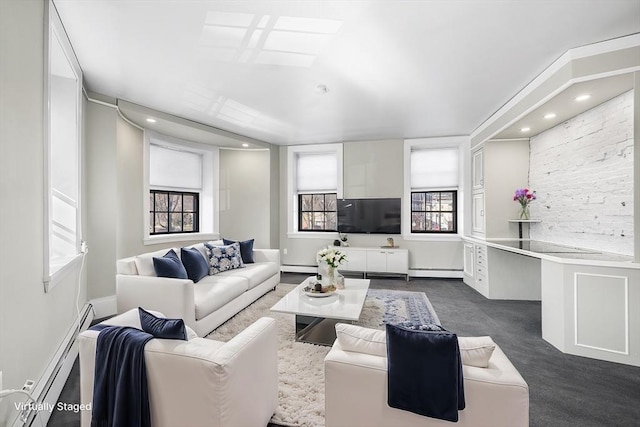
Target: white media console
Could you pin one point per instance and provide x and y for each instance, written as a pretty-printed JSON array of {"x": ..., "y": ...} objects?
[{"x": 380, "y": 260}]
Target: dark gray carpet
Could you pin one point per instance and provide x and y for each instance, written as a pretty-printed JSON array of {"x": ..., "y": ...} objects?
[{"x": 564, "y": 390}]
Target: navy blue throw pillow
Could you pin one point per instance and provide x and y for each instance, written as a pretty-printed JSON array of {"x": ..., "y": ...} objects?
[
  {"x": 197, "y": 267},
  {"x": 424, "y": 372},
  {"x": 246, "y": 249},
  {"x": 159, "y": 327},
  {"x": 169, "y": 266}
]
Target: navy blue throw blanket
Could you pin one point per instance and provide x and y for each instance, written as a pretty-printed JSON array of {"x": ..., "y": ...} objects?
[
  {"x": 424, "y": 372},
  {"x": 120, "y": 395}
]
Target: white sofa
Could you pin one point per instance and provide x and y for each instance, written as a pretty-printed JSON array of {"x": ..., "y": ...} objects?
[
  {"x": 356, "y": 394},
  {"x": 204, "y": 305},
  {"x": 200, "y": 382}
]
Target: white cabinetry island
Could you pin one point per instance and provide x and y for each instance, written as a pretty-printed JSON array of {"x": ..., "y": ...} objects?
[{"x": 590, "y": 301}]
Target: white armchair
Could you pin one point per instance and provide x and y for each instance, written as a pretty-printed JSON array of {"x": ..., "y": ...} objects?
[
  {"x": 200, "y": 382},
  {"x": 356, "y": 393}
]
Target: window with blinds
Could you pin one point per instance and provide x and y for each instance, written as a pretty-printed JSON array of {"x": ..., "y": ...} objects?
[
  {"x": 175, "y": 183},
  {"x": 317, "y": 187},
  {"x": 434, "y": 185}
]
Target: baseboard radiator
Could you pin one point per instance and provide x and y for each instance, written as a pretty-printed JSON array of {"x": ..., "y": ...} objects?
[{"x": 48, "y": 388}]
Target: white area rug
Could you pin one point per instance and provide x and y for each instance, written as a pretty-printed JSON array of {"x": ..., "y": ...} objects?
[{"x": 301, "y": 365}]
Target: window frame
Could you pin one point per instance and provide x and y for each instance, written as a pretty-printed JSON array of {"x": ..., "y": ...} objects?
[
  {"x": 454, "y": 211},
  {"x": 55, "y": 272},
  {"x": 300, "y": 212},
  {"x": 461, "y": 143},
  {"x": 293, "y": 151},
  {"x": 208, "y": 209},
  {"x": 169, "y": 193}
]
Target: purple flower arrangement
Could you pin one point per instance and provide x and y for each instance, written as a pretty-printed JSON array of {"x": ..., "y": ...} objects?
[{"x": 524, "y": 196}]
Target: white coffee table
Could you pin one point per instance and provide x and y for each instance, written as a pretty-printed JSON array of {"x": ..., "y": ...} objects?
[{"x": 316, "y": 316}]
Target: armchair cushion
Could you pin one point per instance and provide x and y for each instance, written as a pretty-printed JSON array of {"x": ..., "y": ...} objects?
[
  {"x": 160, "y": 327},
  {"x": 476, "y": 351},
  {"x": 361, "y": 340}
]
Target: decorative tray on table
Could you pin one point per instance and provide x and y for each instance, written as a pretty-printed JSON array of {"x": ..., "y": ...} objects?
[{"x": 318, "y": 292}]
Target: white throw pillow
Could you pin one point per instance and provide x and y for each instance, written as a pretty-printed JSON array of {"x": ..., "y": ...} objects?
[
  {"x": 476, "y": 351},
  {"x": 144, "y": 262},
  {"x": 362, "y": 340}
]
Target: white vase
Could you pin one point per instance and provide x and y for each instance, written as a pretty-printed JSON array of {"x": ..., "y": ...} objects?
[{"x": 330, "y": 275}]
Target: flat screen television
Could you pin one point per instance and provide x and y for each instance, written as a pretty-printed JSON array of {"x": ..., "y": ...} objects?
[{"x": 370, "y": 216}]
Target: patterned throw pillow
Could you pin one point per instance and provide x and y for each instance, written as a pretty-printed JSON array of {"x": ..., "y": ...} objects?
[
  {"x": 429, "y": 327},
  {"x": 224, "y": 258}
]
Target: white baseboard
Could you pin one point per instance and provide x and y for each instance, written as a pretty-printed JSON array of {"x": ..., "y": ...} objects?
[
  {"x": 104, "y": 307},
  {"x": 441, "y": 274},
  {"x": 48, "y": 388}
]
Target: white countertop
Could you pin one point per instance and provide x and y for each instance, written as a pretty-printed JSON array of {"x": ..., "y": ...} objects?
[{"x": 558, "y": 253}]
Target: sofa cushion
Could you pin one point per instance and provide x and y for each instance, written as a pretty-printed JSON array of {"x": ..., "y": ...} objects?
[
  {"x": 361, "y": 340},
  {"x": 161, "y": 327},
  {"x": 203, "y": 249},
  {"x": 213, "y": 292},
  {"x": 476, "y": 351},
  {"x": 255, "y": 273},
  {"x": 246, "y": 249},
  {"x": 144, "y": 262},
  {"x": 170, "y": 266},
  {"x": 196, "y": 265},
  {"x": 223, "y": 258}
]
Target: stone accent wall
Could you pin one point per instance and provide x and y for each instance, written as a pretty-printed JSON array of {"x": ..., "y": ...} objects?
[{"x": 582, "y": 171}]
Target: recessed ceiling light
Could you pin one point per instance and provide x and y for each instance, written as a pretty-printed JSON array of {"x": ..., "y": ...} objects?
[
  {"x": 549, "y": 116},
  {"x": 151, "y": 120},
  {"x": 583, "y": 97},
  {"x": 525, "y": 129},
  {"x": 245, "y": 145}
]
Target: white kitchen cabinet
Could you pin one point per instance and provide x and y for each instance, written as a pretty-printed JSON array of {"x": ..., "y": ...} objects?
[
  {"x": 477, "y": 167},
  {"x": 478, "y": 217}
]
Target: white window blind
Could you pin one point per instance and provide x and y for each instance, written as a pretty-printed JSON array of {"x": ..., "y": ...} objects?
[
  {"x": 174, "y": 168},
  {"x": 434, "y": 168},
  {"x": 316, "y": 172}
]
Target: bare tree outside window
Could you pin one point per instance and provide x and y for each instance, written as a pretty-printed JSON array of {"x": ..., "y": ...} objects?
[
  {"x": 434, "y": 212},
  {"x": 317, "y": 212},
  {"x": 173, "y": 212}
]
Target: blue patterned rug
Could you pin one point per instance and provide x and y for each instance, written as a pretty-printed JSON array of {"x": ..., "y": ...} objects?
[{"x": 400, "y": 306}]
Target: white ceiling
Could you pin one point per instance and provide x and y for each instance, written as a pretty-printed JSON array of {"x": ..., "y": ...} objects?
[{"x": 392, "y": 69}]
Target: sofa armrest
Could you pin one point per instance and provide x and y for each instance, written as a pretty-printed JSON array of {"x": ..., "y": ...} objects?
[
  {"x": 247, "y": 371},
  {"x": 172, "y": 297},
  {"x": 356, "y": 394},
  {"x": 263, "y": 255}
]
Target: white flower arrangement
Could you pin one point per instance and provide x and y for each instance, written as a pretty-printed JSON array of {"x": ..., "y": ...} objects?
[{"x": 332, "y": 257}]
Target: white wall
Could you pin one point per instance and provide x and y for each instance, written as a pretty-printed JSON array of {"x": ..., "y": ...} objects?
[
  {"x": 32, "y": 323},
  {"x": 101, "y": 199},
  {"x": 245, "y": 196},
  {"x": 115, "y": 187},
  {"x": 371, "y": 169},
  {"x": 583, "y": 172},
  {"x": 506, "y": 168}
]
